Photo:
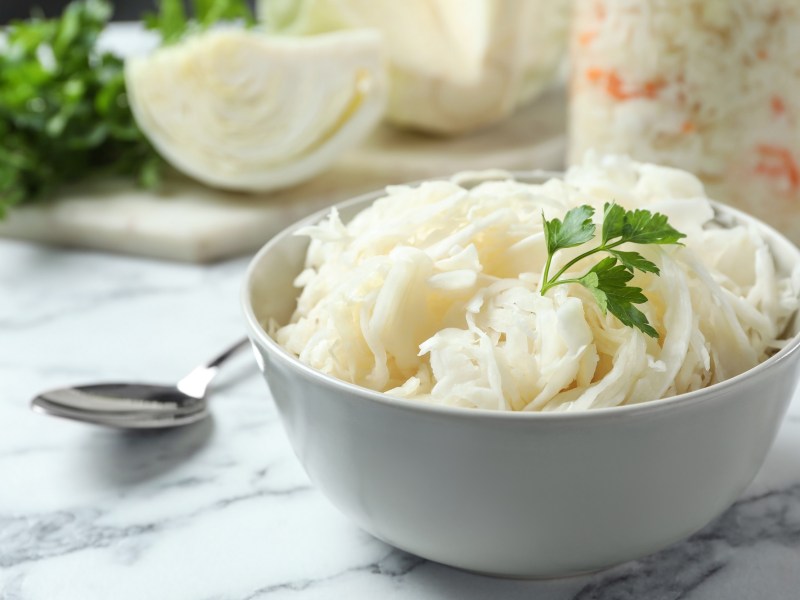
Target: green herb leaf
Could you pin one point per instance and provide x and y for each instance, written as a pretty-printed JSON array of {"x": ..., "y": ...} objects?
[
  {"x": 634, "y": 260},
  {"x": 612, "y": 282},
  {"x": 172, "y": 23},
  {"x": 576, "y": 229},
  {"x": 612, "y": 276},
  {"x": 637, "y": 226},
  {"x": 613, "y": 222},
  {"x": 631, "y": 316},
  {"x": 591, "y": 282},
  {"x": 644, "y": 227},
  {"x": 208, "y": 12}
]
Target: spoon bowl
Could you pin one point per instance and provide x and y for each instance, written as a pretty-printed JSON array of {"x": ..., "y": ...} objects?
[
  {"x": 137, "y": 405},
  {"x": 149, "y": 417}
]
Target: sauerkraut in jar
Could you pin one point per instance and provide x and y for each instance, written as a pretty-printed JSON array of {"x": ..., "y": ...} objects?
[{"x": 710, "y": 86}]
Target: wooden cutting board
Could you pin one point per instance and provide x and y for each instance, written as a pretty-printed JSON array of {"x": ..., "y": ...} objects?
[{"x": 189, "y": 222}]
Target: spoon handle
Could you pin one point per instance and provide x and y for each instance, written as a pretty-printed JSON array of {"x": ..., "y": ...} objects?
[
  {"x": 196, "y": 382},
  {"x": 224, "y": 356}
]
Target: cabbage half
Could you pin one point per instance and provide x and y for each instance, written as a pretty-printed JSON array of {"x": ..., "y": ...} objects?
[
  {"x": 455, "y": 65},
  {"x": 245, "y": 111}
]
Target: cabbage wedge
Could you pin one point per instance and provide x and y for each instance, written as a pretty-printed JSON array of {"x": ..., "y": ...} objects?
[
  {"x": 241, "y": 110},
  {"x": 454, "y": 65}
]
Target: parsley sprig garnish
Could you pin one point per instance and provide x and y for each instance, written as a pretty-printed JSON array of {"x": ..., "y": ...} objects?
[{"x": 608, "y": 279}]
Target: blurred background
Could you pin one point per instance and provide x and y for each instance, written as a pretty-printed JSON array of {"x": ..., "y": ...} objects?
[
  {"x": 124, "y": 10},
  {"x": 19, "y": 9}
]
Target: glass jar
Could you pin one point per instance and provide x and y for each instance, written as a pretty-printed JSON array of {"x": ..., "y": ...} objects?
[{"x": 710, "y": 86}]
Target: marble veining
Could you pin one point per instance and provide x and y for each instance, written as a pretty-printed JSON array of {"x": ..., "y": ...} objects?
[{"x": 222, "y": 510}]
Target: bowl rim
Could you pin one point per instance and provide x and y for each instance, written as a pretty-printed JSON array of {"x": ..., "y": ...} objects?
[{"x": 703, "y": 395}]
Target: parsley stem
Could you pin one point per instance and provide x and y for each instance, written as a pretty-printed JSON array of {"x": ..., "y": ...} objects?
[
  {"x": 580, "y": 257},
  {"x": 545, "y": 283},
  {"x": 552, "y": 284}
]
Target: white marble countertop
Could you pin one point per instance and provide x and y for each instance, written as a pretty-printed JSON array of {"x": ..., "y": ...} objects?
[{"x": 222, "y": 510}]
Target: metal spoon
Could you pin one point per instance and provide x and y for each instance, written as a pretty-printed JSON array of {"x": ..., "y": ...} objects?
[{"x": 135, "y": 405}]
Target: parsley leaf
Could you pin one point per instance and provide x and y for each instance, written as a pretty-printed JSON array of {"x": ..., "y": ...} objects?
[
  {"x": 644, "y": 227},
  {"x": 613, "y": 221},
  {"x": 576, "y": 229},
  {"x": 608, "y": 280},
  {"x": 637, "y": 226},
  {"x": 172, "y": 23},
  {"x": 634, "y": 260},
  {"x": 592, "y": 283},
  {"x": 612, "y": 282},
  {"x": 208, "y": 12}
]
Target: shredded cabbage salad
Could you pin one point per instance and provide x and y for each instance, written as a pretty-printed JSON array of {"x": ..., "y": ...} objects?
[{"x": 431, "y": 294}]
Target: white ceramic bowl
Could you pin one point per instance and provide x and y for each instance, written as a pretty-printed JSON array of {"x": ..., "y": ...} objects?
[{"x": 523, "y": 495}]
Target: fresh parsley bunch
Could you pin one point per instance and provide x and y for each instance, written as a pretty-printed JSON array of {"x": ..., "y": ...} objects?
[
  {"x": 608, "y": 279},
  {"x": 63, "y": 108},
  {"x": 64, "y": 113}
]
